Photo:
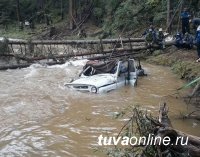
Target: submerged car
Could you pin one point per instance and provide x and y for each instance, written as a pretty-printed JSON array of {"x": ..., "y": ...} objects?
[{"x": 98, "y": 77}]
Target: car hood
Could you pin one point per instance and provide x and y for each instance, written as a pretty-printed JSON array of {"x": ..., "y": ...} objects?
[{"x": 95, "y": 80}]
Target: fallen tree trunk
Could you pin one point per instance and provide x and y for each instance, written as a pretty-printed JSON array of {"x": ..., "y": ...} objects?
[
  {"x": 78, "y": 54},
  {"x": 17, "y": 57},
  {"x": 196, "y": 91},
  {"x": 107, "y": 56},
  {"x": 163, "y": 117},
  {"x": 71, "y": 42},
  {"x": 191, "y": 143},
  {"x": 197, "y": 117},
  {"x": 192, "y": 115},
  {"x": 180, "y": 143}
]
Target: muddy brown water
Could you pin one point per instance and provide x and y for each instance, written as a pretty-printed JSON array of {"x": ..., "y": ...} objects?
[{"x": 39, "y": 117}]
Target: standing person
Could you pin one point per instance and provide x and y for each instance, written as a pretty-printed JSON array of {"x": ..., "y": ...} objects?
[
  {"x": 160, "y": 38},
  {"x": 150, "y": 39},
  {"x": 198, "y": 43},
  {"x": 185, "y": 16}
]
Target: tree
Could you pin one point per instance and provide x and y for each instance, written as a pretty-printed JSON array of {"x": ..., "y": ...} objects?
[
  {"x": 61, "y": 9},
  {"x": 18, "y": 11},
  {"x": 71, "y": 11},
  {"x": 168, "y": 14}
]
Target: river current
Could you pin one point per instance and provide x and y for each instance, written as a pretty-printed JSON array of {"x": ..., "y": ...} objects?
[{"x": 40, "y": 117}]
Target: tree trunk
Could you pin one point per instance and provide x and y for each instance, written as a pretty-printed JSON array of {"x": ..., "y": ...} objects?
[
  {"x": 18, "y": 12},
  {"x": 61, "y": 10},
  {"x": 168, "y": 15},
  {"x": 193, "y": 143},
  {"x": 71, "y": 21},
  {"x": 74, "y": 42}
]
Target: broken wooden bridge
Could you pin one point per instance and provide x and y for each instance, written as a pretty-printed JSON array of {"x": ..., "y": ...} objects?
[{"x": 27, "y": 52}]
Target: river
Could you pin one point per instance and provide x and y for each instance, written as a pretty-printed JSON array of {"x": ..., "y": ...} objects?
[{"x": 40, "y": 117}]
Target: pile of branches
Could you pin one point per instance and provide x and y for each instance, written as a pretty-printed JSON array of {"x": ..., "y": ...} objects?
[{"x": 143, "y": 124}]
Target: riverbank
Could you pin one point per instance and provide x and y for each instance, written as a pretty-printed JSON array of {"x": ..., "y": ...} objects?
[
  {"x": 183, "y": 64},
  {"x": 182, "y": 61}
]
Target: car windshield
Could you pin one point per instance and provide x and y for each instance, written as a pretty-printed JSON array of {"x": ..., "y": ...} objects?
[
  {"x": 131, "y": 66},
  {"x": 96, "y": 67},
  {"x": 127, "y": 65}
]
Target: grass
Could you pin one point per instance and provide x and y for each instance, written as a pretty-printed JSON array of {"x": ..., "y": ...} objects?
[
  {"x": 13, "y": 31},
  {"x": 181, "y": 61}
]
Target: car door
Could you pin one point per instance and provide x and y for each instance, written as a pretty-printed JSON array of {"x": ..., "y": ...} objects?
[{"x": 122, "y": 73}]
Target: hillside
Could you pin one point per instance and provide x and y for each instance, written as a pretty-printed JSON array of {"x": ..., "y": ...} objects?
[{"x": 114, "y": 17}]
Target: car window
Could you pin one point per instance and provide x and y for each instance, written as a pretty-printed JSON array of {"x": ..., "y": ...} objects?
[
  {"x": 87, "y": 71},
  {"x": 131, "y": 66},
  {"x": 123, "y": 67}
]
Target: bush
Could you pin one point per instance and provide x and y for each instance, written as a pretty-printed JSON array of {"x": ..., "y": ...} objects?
[{"x": 98, "y": 14}]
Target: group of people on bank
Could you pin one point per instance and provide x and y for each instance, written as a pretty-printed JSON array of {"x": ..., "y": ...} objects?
[
  {"x": 186, "y": 39},
  {"x": 183, "y": 39},
  {"x": 152, "y": 36}
]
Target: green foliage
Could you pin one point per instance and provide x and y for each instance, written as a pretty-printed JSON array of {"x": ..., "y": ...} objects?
[
  {"x": 127, "y": 15},
  {"x": 114, "y": 16},
  {"x": 152, "y": 3},
  {"x": 124, "y": 18},
  {"x": 186, "y": 70},
  {"x": 29, "y": 9},
  {"x": 98, "y": 14},
  {"x": 6, "y": 11},
  {"x": 111, "y": 6},
  {"x": 159, "y": 18}
]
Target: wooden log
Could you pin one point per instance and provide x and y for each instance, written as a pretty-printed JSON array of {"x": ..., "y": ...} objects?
[
  {"x": 114, "y": 56},
  {"x": 193, "y": 140},
  {"x": 163, "y": 115},
  {"x": 192, "y": 146},
  {"x": 192, "y": 115},
  {"x": 195, "y": 91},
  {"x": 71, "y": 42},
  {"x": 197, "y": 117},
  {"x": 83, "y": 54},
  {"x": 17, "y": 57}
]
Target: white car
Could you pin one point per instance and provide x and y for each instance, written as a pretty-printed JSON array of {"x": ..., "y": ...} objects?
[{"x": 98, "y": 77}]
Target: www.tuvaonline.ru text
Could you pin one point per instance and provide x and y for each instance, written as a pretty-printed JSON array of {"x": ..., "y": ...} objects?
[{"x": 134, "y": 141}]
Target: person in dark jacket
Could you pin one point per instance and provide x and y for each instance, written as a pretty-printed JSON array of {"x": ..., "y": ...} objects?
[
  {"x": 151, "y": 27},
  {"x": 160, "y": 38},
  {"x": 195, "y": 22},
  {"x": 188, "y": 41},
  {"x": 179, "y": 40},
  {"x": 198, "y": 43},
  {"x": 150, "y": 37},
  {"x": 185, "y": 16}
]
